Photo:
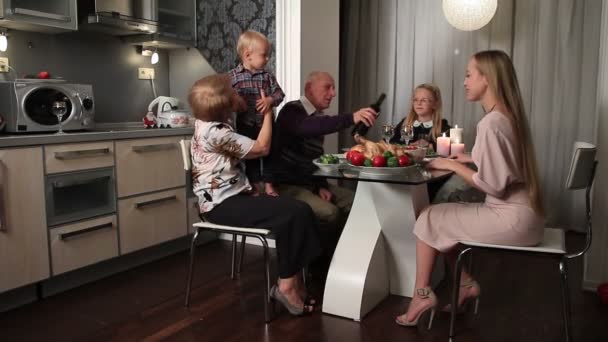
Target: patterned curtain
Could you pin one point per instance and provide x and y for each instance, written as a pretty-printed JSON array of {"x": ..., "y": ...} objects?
[{"x": 221, "y": 22}]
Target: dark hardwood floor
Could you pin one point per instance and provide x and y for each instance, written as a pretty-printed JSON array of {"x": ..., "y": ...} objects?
[{"x": 520, "y": 302}]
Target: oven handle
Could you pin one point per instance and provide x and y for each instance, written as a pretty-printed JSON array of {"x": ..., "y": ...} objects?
[
  {"x": 141, "y": 205},
  {"x": 68, "y": 155},
  {"x": 3, "y": 182},
  {"x": 154, "y": 147},
  {"x": 59, "y": 185},
  {"x": 78, "y": 233}
]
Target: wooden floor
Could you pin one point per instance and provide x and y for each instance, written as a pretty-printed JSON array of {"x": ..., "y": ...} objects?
[{"x": 520, "y": 302}]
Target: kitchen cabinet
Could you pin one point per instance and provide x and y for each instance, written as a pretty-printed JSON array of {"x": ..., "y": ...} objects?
[
  {"x": 83, "y": 243},
  {"x": 151, "y": 219},
  {"x": 51, "y": 16},
  {"x": 146, "y": 165},
  {"x": 24, "y": 254},
  {"x": 81, "y": 156}
]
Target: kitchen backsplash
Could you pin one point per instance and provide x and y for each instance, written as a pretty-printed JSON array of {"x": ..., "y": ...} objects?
[{"x": 103, "y": 61}]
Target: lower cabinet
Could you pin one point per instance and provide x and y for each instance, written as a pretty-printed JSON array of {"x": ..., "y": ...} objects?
[
  {"x": 151, "y": 219},
  {"x": 24, "y": 253},
  {"x": 83, "y": 243}
]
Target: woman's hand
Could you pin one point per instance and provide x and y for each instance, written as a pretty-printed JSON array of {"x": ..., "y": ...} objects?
[
  {"x": 441, "y": 164},
  {"x": 264, "y": 104},
  {"x": 463, "y": 158}
]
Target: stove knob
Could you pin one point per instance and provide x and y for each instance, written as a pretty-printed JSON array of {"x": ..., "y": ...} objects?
[{"x": 87, "y": 103}]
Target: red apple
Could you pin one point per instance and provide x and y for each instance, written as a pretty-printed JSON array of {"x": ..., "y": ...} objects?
[
  {"x": 357, "y": 159},
  {"x": 404, "y": 160},
  {"x": 379, "y": 161},
  {"x": 44, "y": 75}
]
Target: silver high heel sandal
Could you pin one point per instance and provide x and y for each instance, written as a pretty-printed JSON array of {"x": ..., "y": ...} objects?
[
  {"x": 422, "y": 293},
  {"x": 461, "y": 308}
]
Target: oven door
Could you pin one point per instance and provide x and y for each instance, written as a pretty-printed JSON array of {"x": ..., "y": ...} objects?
[{"x": 79, "y": 195}]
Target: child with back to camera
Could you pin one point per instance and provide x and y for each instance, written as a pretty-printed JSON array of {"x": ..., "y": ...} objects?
[{"x": 248, "y": 79}]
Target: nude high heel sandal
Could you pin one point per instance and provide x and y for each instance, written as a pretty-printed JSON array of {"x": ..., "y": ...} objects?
[{"x": 422, "y": 293}]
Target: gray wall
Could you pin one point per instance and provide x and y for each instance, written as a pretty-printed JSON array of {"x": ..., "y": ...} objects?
[
  {"x": 101, "y": 60},
  {"x": 186, "y": 66}
]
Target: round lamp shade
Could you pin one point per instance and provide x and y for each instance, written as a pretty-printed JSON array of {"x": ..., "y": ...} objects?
[{"x": 469, "y": 15}]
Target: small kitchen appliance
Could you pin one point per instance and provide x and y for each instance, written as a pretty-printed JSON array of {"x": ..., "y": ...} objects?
[{"x": 168, "y": 114}]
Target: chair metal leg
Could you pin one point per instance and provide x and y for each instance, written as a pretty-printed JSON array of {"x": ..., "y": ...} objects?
[
  {"x": 239, "y": 265},
  {"x": 267, "y": 315},
  {"x": 455, "y": 290},
  {"x": 233, "y": 261},
  {"x": 563, "y": 272},
  {"x": 191, "y": 267}
]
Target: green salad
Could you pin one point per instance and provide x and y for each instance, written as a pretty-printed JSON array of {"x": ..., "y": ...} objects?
[{"x": 329, "y": 159}]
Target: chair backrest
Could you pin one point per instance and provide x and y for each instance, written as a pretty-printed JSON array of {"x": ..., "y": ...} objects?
[
  {"x": 186, "y": 157},
  {"x": 581, "y": 170},
  {"x": 580, "y": 176}
]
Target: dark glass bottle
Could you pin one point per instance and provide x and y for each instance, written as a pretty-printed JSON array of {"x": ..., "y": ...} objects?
[{"x": 360, "y": 128}]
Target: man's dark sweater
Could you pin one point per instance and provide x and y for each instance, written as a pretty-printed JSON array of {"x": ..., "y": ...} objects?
[{"x": 298, "y": 139}]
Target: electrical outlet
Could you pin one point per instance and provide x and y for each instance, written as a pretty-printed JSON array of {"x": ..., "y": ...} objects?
[
  {"x": 145, "y": 73},
  {"x": 3, "y": 64}
]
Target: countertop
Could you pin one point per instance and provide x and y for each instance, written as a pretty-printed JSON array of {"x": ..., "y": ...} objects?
[{"x": 101, "y": 132}]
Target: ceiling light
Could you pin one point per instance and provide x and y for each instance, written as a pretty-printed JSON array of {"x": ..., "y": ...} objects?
[
  {"x": 469, "y": 15},
  {"x": 154, "y": 58}
]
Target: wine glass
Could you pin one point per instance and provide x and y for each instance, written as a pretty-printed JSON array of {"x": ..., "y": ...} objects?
[
  {"x": 387, "y": 132},
  {"x": 407, "y": 134},
  {"x": 59, "y": 109}
]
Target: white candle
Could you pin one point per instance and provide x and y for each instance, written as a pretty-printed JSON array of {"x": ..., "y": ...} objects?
[
  {"x": 456, "y": 149},
  {"x": 455, "y": 135},
  {"x": 443, "y": 146}
]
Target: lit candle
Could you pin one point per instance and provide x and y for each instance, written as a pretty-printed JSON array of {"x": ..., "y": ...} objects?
[
  {"x": 443, "y": 146},
  {"x": 455, "y": 134},
  {"x": 457, "y": 148}
]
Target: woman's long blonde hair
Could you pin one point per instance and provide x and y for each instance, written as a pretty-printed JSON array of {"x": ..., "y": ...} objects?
[
  {"x": 498, "y": 69},
  {"x": 437, "y": 113}
]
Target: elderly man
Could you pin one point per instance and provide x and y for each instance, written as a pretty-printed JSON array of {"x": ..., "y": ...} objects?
[{"x": 298, "y": 139}]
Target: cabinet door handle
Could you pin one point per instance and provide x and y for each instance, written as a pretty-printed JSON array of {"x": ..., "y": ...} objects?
[
  {"x": 3, "y": 182},
  {"x": 59, "y": 185},
  {"x": 154, "y": 147},
  {"x": 67, "y": 155},
  {"x": 141, "y": 205},
  {"x": 38, "y": 14},
  {"x": 78, "y": 233}
]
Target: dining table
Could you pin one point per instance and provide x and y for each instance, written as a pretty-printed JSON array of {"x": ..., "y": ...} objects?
[{"x": 376, "y": 253}]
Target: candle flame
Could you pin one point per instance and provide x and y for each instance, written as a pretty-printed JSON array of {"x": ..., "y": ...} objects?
[
  {"x": 455, "y": 126},
  {"x": 443, "y": 134}
]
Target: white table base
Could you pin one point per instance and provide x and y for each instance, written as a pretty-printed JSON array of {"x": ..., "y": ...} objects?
[{"x": 376, "y": 253}]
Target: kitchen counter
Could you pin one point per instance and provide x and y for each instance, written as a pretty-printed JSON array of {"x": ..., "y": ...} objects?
[{"x": 102, "y": 132}]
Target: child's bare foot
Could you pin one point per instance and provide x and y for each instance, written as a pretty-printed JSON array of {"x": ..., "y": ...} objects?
[{"x": 269, "y": 189}]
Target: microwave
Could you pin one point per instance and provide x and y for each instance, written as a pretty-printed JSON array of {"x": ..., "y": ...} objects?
[{"x": 26, "y": 105}]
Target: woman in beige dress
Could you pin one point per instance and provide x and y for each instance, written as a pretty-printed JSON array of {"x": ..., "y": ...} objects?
[{"x": 512, "y": 213}]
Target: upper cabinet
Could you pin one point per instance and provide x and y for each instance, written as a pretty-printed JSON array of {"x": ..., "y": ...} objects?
[
  {"x": 51, "y": 16},
  {"x": 176, "y": 26}
]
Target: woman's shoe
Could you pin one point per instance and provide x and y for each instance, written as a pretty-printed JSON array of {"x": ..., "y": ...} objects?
[
  {"x": 473, "y": 290},
  {"x": 424, "y": 293},
  {"x": 294, "y": 310}
]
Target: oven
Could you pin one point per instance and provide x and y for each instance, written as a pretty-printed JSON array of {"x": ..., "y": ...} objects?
[
  {"x": 26, "y": 105},
  {"x": 79, "y": 195}
]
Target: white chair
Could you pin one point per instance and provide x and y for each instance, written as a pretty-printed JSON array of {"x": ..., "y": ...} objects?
[
  {"x": 581, "y": 174},
  {"x": 258, "y": 233}
]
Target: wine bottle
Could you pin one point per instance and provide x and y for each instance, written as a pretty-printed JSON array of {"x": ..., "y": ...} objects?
[{"x": 360, "y": 128}]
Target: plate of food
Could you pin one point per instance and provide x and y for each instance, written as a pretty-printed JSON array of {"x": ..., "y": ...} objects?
[
  {"x": 330, "y": 162},
  {"x": 383, "y": 170}
]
